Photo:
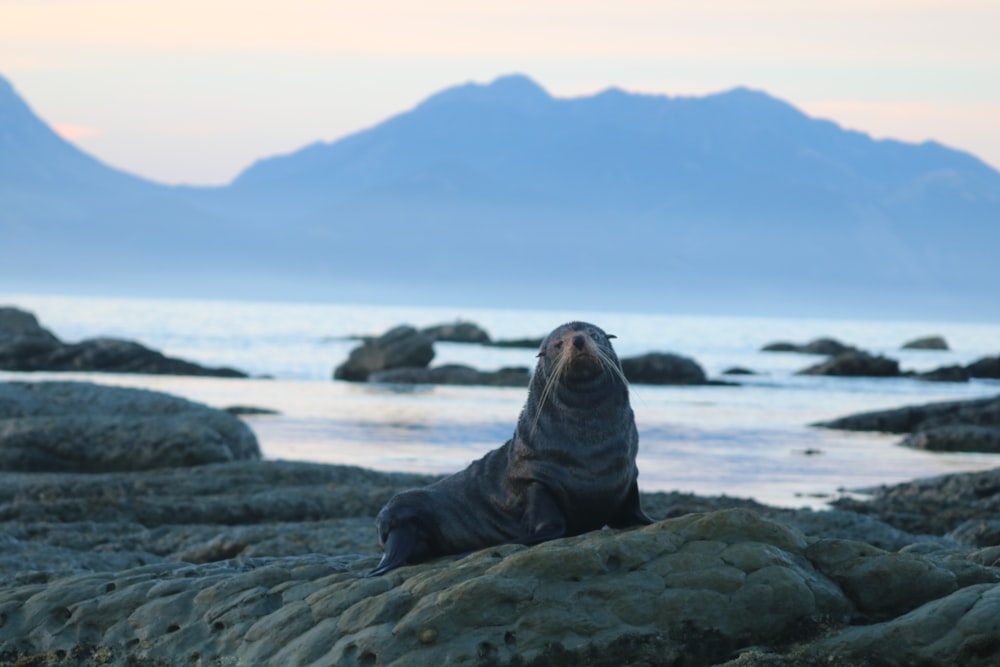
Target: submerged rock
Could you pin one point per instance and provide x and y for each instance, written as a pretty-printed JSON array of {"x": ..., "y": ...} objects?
[{"x": 987, "y": 367}]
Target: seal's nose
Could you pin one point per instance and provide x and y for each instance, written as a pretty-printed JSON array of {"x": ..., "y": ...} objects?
[{"x": 578, "y": 341}]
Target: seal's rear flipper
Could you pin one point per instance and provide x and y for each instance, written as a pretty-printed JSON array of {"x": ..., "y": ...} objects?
[{"x": 400, "y": 545}]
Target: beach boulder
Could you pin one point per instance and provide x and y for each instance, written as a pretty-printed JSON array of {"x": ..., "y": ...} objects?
[
  {"x": 855, "y": 364},
  {"x": 79, "y": 426},
  {"x": 926, "y": 343},
  {"x": 458, "y": 332},
  {"x": 400, "y": 347},
  {"x": 987, "y": 367},
  {"x": 663, "y": 368},
  {"x": 825, "y": 346}
]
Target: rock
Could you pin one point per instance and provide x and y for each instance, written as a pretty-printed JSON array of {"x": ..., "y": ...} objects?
[
  {"x": 909, "y": 419},
  {"x": 927, "y": 343},
  {"x": 458, "y": 332},
  {"x": 959, "y": 629},
  {"x": 690, "y": 589},
  {"x": 527, "y": 343},
  {"x": 855, "y": 364},
  {"x": 987, "y": 367},
  {"x": 113, "y": 355},
  {"x": 934, "y": 506},
  {"x": 26, "y": 346},
  {"x": 945, "y": 374},
  {"x": 825, "y": 346},
  {"x": 662, "y": 368},
  {"x": 956, "y": 438},
  {"x": 402, "y": 346},
  {"x": 738, "y": 370},
  {"x": 78, "y": 426},
  {"x": 455, "y": 374},
  {"x": 16, "y": 323}
]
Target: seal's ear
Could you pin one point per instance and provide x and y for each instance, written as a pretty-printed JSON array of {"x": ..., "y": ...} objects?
[
  {"x": 610, "y": 336},
  {"x": 540, "y": 354}
]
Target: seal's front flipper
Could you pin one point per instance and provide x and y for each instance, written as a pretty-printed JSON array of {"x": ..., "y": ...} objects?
[
  {"x": 630, "y": 513},
  {"x": 400, "y": 544},
  {"x": 543, "y": 520}
]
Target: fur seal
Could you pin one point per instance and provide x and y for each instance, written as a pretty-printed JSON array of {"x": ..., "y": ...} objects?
[{"x": 569, "y": 467}]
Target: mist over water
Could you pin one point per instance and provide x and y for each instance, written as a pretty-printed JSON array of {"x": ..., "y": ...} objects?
[{"x": 752, "y": 440}]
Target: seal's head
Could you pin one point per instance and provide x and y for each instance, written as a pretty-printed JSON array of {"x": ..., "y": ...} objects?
[{"x": 578, "y": 351}]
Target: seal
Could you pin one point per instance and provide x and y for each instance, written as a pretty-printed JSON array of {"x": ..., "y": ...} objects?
[{"x": 568, "y": 469}]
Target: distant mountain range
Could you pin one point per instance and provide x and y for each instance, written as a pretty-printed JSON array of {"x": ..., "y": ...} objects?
[{"x": 501, "y": 195}]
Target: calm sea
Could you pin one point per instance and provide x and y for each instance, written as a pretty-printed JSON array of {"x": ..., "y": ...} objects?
[{"x": 752, "y": 440}]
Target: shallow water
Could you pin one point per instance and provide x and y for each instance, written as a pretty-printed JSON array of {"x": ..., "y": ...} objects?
[{"x": 751, "y": 440}]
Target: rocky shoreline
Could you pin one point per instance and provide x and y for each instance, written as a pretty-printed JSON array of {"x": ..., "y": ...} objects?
[{"x": 245, "y": 561}]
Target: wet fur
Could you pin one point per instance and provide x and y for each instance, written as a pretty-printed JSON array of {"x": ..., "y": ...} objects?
[{"x": 568, "y": 469}]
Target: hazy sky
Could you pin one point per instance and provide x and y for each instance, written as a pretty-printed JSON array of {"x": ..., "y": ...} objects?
[{"x": 195, "y": 90}]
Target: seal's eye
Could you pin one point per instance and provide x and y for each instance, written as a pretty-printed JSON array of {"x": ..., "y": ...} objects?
[
  {"x": 595, "y": 336},
  {"x": 558, "y": 345}
]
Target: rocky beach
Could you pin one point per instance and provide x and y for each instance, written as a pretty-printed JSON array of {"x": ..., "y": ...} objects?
[
  {"x": 220, "y": 558},
  {"x": 140, "y": 528}
]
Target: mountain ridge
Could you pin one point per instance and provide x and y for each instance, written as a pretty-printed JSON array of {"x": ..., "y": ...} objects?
[{"x": 480, "y": 187}]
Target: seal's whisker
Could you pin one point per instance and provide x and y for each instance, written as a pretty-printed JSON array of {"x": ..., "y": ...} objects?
[
  {"x": 609, "y": 364},
  {"x": 557, "y": 368}
]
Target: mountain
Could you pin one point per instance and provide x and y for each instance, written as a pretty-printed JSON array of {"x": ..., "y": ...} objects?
[{"x": 500, "y": 194}]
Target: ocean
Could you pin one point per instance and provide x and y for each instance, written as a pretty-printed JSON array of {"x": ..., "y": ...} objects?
[{"x": 752, "y": 440}]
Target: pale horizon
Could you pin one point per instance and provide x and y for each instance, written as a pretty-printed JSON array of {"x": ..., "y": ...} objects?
[{"x": 187, "y": 92}]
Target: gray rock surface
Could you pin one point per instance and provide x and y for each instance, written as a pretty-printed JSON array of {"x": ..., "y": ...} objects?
[
  {"x": 690, "y": 591},
  {"x": 400, "y": 347},
  {"x": 79, "y": 426}
]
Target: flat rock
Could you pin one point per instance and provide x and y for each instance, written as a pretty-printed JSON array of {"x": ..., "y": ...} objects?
[{"x": 79, "y": 426}]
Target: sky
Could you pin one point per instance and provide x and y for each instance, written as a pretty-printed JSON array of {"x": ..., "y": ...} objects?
[{"x": 194, "y": 91}]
